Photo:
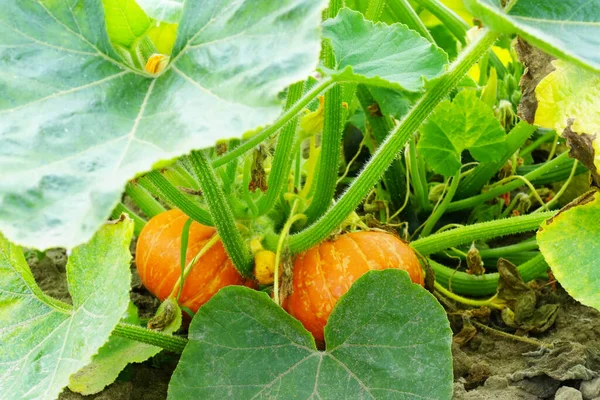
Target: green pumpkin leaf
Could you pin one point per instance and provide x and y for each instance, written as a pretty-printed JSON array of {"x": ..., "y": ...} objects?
[
  {"x": 391, "y": 56},
  {"x": 125, "y": 21},
  {"x": 77, "y": 123},
  {"x": 386, "y": 338},
  {"x": 114, "y": 356},
  {"x": 565, "y": 29},
  {"x": 44, "y": 341},
  {"x": 465, "y": 123},
  {"x": 569, "y": 243},
  {"x": 163, "y": 10}
]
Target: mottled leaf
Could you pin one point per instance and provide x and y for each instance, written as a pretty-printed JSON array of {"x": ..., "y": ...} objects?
[
  {"x": 569, "y": 243},
  {"x": 44, "y": 341},
  {"x": 391, "y": 56},
  {"x": 387, "y": 338},
  {"x": 114, "y": 356},
  {"x": 77, "y": 123},
  {"x": 565, "y": 29},
  {"x": 466, "y": 123}
]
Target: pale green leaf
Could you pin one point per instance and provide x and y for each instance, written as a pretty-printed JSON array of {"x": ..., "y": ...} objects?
[
  {"x": 565, "y": 29},
  {"x": 163, "y": 10},
  {"x": 387, "y": 338},
  {"x": 391, "y": 56},
  {"x": 569, "y": 243},
  {"x": 125, "y": 21},
  {"x": 44, "y": 341},
  {"x": 466, "y": 123},
  {"x": 77, "y": 123},
  {"x": 114, "y": 356}
]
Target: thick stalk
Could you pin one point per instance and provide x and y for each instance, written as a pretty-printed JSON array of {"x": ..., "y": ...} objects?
[
  {"x": 407, "y": 15},
  {"x": 138, "y": 221},
  {"x": 284, "y": 156},
  {"x": 144, "y": 200},
  {"x": 482, "y": 231},
  {"x": 441, "y": 209},
  {"x": 471, "y": 202},
  {"x": 395, "y": 176},
  {"x": 323, "y": 85},
  {"x": 481, "y": 175},
  {"x": 172, "y": 195},
  {"x": 486, "y": 284},
  {"x": 221, "y": 214},
  {"x": 374, "y": 10},
  {"x": 394, "y": 143},
  {"x": 140, "y": 334}
]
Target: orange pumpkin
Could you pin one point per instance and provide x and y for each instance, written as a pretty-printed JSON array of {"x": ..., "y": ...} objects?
[
  {"x": 325, "y": 272},
  {"x": 158, "y": 260}
]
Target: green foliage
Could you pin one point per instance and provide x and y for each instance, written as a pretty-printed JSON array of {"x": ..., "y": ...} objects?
[
  {"x": 569, "y": 243},
  {"x": 102, "y": 122},
  {"x": 466, "y": 123},
  {"x": 387, "y": 338},
  {"x": 114, "y": 356},
  {"x": 163, "y": 10},
  {"x": 565, "y": 29},
  {"x": 43, "y": 340},
  {"x": 391, "y": 56}
]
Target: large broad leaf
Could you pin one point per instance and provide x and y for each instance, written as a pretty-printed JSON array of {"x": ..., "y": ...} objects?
[
  {"x": 570, "y": 242},
  {"x": 569, "y": 101},
  {"x": 77, "y": 123},
  {"x": 565, "y": 29},
  {"x": 465, "y": 123},
  {"x": 386, "y": 339},
  {"x": 163, "y": 10},
  {"x": 44, "y": 341},
  {"x": 391, "y": 56},
  {"x": 114, "y": 356}
]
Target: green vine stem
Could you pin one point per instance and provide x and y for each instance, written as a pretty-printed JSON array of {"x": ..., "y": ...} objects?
[
  {"x": 140, "y": 334},
  {"x": 221, "y": 214},
  {"x": 504, "y": 251},
  {"x": 284, "y": 154},
  {"x": 138, "y": 221},
  {"x": 486, "y": 284},
  {"x": 309, "y": 96},
  {"x": 482, "y": 231},
  {"x": 508, "y": 187},
  {"x": 395, "y": 176},
  {"x": 419, "y": 183},
  {"x": 476, "y": 179},
  {"x": 394, "y": 143},
  {"x": 407, "y": 15},
  {"x": 173, "y": 196},
  {"x": 546, "y": 137},
  {"x": 144, "y": 200},
  {"x": 491, "y": 302},
  {"x": 374, "y": 10},
  {"x": 441, "y": 209}
]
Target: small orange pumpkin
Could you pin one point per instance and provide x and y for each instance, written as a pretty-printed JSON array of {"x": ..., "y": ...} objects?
[
  {"x": 325, "y": 272},
  {"x": 158, "y": 260}
]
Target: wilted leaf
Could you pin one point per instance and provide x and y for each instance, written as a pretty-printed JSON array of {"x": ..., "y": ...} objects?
[
  {"x": 77, "y": 123},
  {"x": 569, "y": 243},
  {"x": 391, "y": 56},
  {"x": 44, "y": 341},
  {"x": 466, "y": 123},
  {"x": 386, "y": 338},
  {"x": 565, "y": 29}
]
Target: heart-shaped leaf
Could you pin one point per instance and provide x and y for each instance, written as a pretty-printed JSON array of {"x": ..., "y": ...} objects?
[
  {"x": 569, "y": 243},
  {"x": 114, "y": 356},
  {"x": 391, "y": 56},
  {"x": 565, "y": 29},
  {"x": 163, "y": 10},
  {"x": 44, "y": 341},
  {"x": 465, "y": 123},
  {"x": 77, "y": 123},
  {"x": 386, "y": 338}
]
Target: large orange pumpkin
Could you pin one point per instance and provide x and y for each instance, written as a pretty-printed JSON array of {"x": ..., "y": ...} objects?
[
  {"x": 325, "y": 272},
  {"x": 158, "y": 260}
]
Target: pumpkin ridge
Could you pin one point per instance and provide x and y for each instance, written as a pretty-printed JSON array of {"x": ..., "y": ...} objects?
[
  {"x": 215, "y": 276},
  {"x": 320, "y": 267}
]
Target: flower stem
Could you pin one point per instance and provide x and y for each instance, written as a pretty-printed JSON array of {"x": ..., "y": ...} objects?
[
  {"x": 441, "y": 209},
  {"x": 388, "y": 150}
]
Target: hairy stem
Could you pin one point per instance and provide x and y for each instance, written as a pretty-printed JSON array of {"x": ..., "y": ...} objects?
[
  {"x": 140, "y": 334},
  {"x": 144, "y": 200}
]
